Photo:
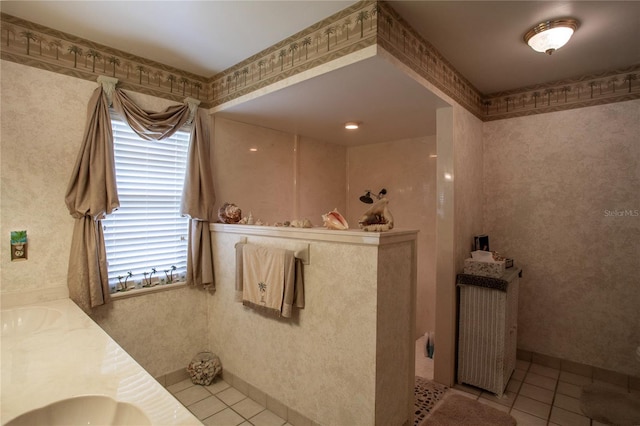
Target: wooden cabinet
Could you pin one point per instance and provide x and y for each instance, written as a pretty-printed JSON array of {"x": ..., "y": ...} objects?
[{"x": 487, "y": 330}]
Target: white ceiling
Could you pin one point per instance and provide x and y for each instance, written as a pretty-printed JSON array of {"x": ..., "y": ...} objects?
[
  {"x": 482, "y": 39},
  {"x": 399, "y": 108}
]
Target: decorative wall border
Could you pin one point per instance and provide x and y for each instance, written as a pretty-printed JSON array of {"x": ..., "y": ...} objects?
[
  {"x": 41, "y": 47},
  {"x": 398, "y": 38},
  {"x": 345, "y": 32},
  {"x": 590, "y": 90},
  {"x": 361, "y": 25}
]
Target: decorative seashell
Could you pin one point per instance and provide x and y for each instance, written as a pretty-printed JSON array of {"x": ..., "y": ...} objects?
[
  {"x": 378, "y": 218},
  {"x": 334, "y": 220},
  {"x": 298, "y": 223},
  {"x": 229, "y": 213},
  {"x": 250, "y": 220}
]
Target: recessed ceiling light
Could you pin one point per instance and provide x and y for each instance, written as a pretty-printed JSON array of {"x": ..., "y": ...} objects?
[{"x": 351, "y": 125}]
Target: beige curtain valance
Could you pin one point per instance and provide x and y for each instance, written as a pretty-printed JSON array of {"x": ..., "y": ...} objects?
[{"x": 92, "y": 191}]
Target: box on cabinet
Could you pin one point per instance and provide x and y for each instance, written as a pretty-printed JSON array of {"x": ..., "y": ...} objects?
[{"x": 485, "y": 269}]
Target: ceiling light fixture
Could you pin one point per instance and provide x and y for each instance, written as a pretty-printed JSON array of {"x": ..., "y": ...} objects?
[
  {"x": 351, "y": 125},
  {"x": 549, "y": 36}
]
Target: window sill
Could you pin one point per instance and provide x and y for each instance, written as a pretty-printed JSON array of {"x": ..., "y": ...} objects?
[{"x": 146, "y": 290}]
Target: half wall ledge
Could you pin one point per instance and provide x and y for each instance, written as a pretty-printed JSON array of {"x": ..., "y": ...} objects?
[{"x": 354, "y": 339}]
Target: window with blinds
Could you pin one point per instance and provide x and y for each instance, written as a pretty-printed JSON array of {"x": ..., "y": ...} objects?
[{"x": 146, "y": 237}]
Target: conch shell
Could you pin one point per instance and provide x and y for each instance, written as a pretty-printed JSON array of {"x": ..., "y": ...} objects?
[
  {"x": 378, "y": 218},
  {"x": 334, "y": 220},
  {"x": 229, "y": 213}
]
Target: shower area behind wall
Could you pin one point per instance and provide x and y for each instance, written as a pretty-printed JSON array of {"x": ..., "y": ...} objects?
[
  {"x": 331, "y": 176},
  {"x": 407, "y": 170}
]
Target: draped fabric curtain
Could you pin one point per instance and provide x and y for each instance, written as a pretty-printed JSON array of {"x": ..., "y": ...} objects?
[
  {"x": 92, "y": 190},
  {"x": 197, "y": 203},
  {"x": 150, "y": 125},
  {"x": 90, "y": 195}
]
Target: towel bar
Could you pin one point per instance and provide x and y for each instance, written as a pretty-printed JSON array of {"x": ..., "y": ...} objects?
[{"x": 301, "y": 250}]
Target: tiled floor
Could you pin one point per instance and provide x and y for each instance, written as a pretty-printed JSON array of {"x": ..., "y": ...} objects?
[
  {"x": 219, "y": 404},
  {"x": 538, "y": 395}
]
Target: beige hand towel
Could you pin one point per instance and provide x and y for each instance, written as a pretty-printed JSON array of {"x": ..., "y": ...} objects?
[
  {"x": 293, "y": 281},
  {"x": 263, "y": 272},
  {"x": 293, "y": 289}
]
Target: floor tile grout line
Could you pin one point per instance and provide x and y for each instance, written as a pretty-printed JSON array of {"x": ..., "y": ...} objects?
[
  {"x": 553, "y": 400},
  {"x": 526, "y": 371},
  {"x": 248, "y": 418},
  {"x": 244, "y": 418}
]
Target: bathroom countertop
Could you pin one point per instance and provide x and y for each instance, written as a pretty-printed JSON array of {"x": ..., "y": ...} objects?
[{"x": 53, "y": 351}]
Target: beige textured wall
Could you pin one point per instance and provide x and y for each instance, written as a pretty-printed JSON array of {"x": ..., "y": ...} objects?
[
  {"x": 395, "y": 341},
  {"x": 163, "y": 331},
  {"x": 552, "y": 184},
  {"x": 405, "y": 169},
  {"x": 324, "y": 355},
  {"x": 40, "y": 142},
  {"x": 43, "y": 119},
  {"x": 351, "y": 342}
]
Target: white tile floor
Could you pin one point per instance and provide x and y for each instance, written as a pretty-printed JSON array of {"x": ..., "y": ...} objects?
[
  {"x": 539, "y": 395},
  {"x": 219, "y": 404},
  {"x": 536, "y": 396}
]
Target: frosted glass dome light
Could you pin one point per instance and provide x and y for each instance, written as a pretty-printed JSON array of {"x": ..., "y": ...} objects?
[{"x": 550, "y": 36}]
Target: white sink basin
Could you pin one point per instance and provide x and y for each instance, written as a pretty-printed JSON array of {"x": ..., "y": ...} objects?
[
  {"x": 26, "y": 320},
  {"x": 84, "y": 410}
]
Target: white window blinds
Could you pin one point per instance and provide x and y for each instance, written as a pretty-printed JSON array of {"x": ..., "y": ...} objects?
[{"x": 147, "y": 231}]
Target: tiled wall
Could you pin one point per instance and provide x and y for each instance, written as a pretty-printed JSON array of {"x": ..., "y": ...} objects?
[
  {"x": 285, "y": 178},
  {"x": 467, "y": 180},
  {"x": 562, "y": 199},
  {"x": 459, "y": 218},
  {"x": 407, "y": 170}
]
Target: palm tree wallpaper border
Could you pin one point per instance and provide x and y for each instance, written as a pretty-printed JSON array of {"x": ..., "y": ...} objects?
[
  {"x": 401, "y": 41},
  {"x": 341, "y": 34},
  {"x": 45, "y": 48},
  {"x": 364, "y": 24}
]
